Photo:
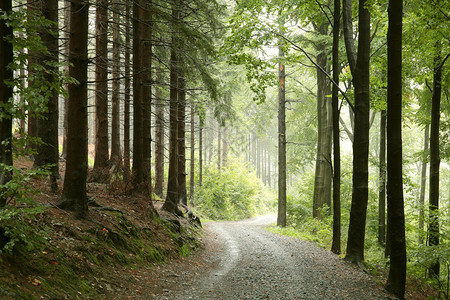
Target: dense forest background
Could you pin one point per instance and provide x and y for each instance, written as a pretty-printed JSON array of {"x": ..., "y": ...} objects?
[{"x": 335, "y": 114}]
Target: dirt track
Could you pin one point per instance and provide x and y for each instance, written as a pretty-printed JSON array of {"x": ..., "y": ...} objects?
[{"x": 248, "y": 262}]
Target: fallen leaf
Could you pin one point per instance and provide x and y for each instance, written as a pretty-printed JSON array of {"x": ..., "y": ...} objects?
[{"x": 36, "y": 282}]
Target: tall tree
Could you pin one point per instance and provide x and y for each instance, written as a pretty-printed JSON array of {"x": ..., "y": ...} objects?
[
  {"x": 33, "y": 60},
  {"x": 382, "y": 182},
  {"x": 159, "y": 136},
  {"x": 395, "y": 212},
  {"x": 219, "y": 147},
  {"x": 47, "y": 125},
  {"x": 146, "y": 91},
  {"x": 101, "y": 159},
  {"x": 66, "y": 55},
  {"x": 74, "y": 191},
  {"x": 138, "y": 155},
  {"x": 423, "y": 182},
  {"x": 359, "y": 67},
  {"x": 172, "y": 197},
  {"x": 127, "y": 96},
  {"x": 116, "y": 151},
  {"x": 322, "y": 179},
  {"x": 281, "y": 220},
  {"x": 6, "y": 93},
  {"x": 224, "y": 147},
  {"x": 200, "y": 152},
  {"x": 433, "y": 236},
  {"x": 181, "y": 120},
  {"x": 336, "y": 243},
  {"x": 192, "y": 156}
]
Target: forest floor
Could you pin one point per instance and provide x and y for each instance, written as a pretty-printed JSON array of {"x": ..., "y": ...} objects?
[
  {"x": 122, "y": 251},
  {"x": 105, "y": 256}
]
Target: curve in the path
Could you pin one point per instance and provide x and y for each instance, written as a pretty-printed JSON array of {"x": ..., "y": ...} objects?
[{"x": 257, "y": 264}]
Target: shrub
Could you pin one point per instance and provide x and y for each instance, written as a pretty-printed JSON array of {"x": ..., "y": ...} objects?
[{"x": 232, "y": 193}]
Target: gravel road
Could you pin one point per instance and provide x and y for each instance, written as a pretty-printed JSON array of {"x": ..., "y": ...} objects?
[{"x": 249, "y": 262}]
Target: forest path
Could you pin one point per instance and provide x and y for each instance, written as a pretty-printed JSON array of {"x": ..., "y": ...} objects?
[{"x": 245, "y": 261}]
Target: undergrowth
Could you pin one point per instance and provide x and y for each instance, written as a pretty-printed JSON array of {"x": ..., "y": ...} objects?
[
  {"x": 303, "y": 226},
  {"x": 232, "y": 193}
]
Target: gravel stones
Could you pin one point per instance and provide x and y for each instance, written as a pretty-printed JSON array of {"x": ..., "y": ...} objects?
[{"x": 257, "y": 264}]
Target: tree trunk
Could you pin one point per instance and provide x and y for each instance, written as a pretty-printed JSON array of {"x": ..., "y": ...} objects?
[
  {"x": 6, "y": 96},
  {"x": 146, "y": 93},
  {"x": 382, "y": 182},
  {"x": 322, "y": 173},
  {"x": 192, "y": 161},
  {"x": 159, "y": 137},
  {"x": 224, "y": 148},
  {"x": 47, "y": 126},
  {"x": 395, "y": 212},
  {"x": 127, "y": 97},
  {"x": 281, "y": 220},
  {"x": 116, "y": 151},
  {"x": 101, "y": 160},
  {"x": 269, "y": 171},
  {"x": 360, "y": 73},
  {"x": 66, "y": 54},
  {"x": 263, "y": 163},
  {"x": 33, "y": 61},
  {"x": 200, "y": 155},
  {"x": 182, "y": 192},
  {"x": 210, "y": 137},
  {"x": 336, "y": 243},
  {"x": 423, "y": 182},
  {"x": 219, "y": 147},
  {"x": 433, "y": 236},
  {"x": 172, "y": 196},
  {"x": 74, "y": 191},
  {"x": 138, "y": 155}
]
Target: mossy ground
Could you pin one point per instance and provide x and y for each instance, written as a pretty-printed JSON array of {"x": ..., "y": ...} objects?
[{"x": 92, "y": 258}]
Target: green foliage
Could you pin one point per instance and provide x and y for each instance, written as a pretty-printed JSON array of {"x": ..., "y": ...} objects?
[
  {"x": 27, "y": 24},
  {"x": 17, "y": 234},
  {"x": 16, "y": 229},
  {"x": 232, "y": 193}
]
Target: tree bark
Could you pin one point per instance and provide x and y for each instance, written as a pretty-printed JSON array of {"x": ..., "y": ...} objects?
[
  {"x": 360, "y": 72},
  {"x": 395, "y": 212},
  {"x": 224, "y": 148},
  {"x": 433, "y": 236},
  {"x": 127, "y": 96},
  {"x": 6, "y": 94},
  {"x": 269, "y": 171},
  {"x": 200, "y": 155},
  {"x": 116, "y": 151},
  {"x": 181, "y": 120},
  {"x": 172, "y": 196},
  {"x": 33, "y": 7},
  {"x": 159, "y": 137},
  {"x": 66, "y": 54},
  {"x": 101, "y": 159},
  {"x": 146, "y": 93},
  {"x": 336, "y": 242},
  {"x": 382, "y": 182},
  {"x": 74, "y": 192},
  {"x": 138, "y": 150},
  {"x": 219, "y": 147},
  {"x": 423, "y": 182},
  {"x": 281, "y": 220},
  {"x": 47, "y": 125},
  {"x": 323, "y": 171},
  {"x": 192, "y": 161}
]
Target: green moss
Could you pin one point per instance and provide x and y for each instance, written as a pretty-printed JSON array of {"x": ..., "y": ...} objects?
[
  {"x": 184, "y": 250},
  {"x": 68, "y": 273}
]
